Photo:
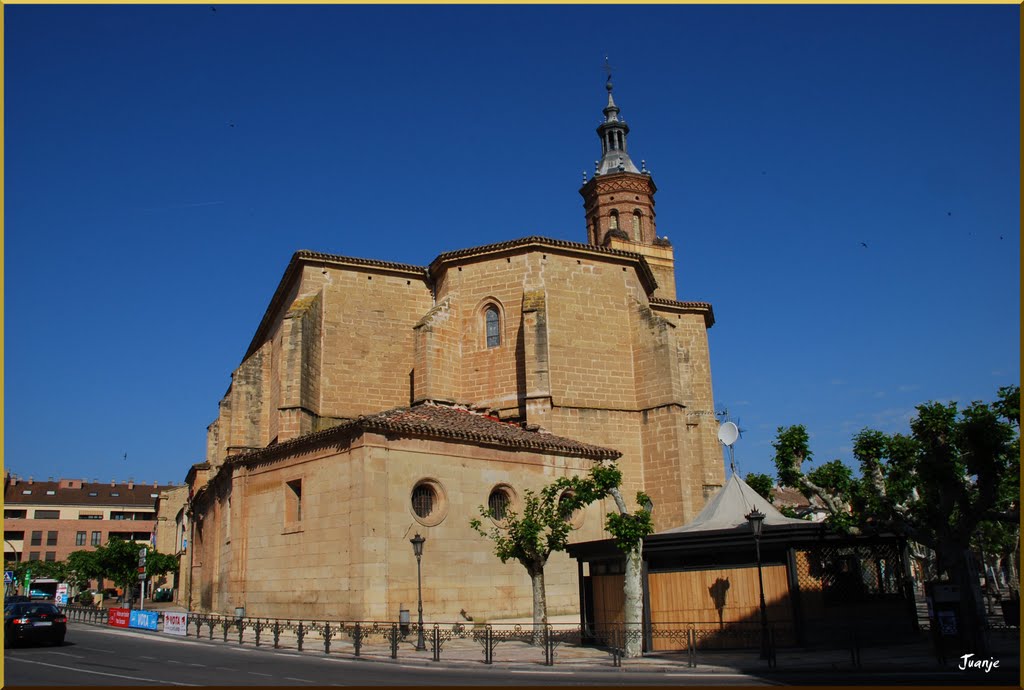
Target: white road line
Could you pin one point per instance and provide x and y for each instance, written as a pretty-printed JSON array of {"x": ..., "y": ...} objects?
[
  {"x": 73, "y": 656},
  {"x": 224, "y": 668},
  {"x": 301, "y": 680},
  {"x": 198, "y": 665},
  {"x": 172, "y": 661},
  {"x": 77, "y": 669},
  {"x": 254, "y": 673},
  {"x": 151, "y": 658}
]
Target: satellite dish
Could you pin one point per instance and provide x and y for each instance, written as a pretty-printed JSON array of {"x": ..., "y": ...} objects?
[{"x": 728, "y": 433}]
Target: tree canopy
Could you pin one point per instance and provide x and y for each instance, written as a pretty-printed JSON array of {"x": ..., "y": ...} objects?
[{"x": 954, "y": 479}]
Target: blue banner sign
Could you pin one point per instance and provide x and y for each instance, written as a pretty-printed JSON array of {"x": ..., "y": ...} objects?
[{"x": 142, "y": 619}]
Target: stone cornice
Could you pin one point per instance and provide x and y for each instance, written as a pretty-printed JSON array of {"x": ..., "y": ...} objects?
[
  {"x": 535, "y": 242},
  {"x": 673, "y": 307},
  {"x": 445, "y": 423}
]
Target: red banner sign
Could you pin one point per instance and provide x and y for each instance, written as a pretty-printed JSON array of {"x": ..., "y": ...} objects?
[{"x": 118, "y": 617}]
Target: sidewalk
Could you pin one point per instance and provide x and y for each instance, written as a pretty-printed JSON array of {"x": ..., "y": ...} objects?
[{"x": 464, "y": 651}]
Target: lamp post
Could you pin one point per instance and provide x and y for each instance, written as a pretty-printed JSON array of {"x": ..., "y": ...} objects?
[
  {"x": 417, "y": 549},
  {"x": 756, "y": 520}
]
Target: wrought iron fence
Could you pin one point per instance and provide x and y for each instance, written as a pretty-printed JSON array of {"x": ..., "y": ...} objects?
[{"x": 685, "y": 642}]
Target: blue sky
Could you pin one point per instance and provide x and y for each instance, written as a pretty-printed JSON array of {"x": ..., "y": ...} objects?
[{"x": 163, "y": 163}]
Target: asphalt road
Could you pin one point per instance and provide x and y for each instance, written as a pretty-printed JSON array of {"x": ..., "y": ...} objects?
[{"x": 99, "y": 656}]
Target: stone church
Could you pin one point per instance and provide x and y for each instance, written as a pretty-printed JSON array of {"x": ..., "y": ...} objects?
[{"x": 381, "y": 400}]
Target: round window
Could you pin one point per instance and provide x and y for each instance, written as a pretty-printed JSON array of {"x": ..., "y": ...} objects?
[
  {"x": 501, "y": 502},
  {"x": 428, "y": 502},
  {"x": 573, "y": 517}
]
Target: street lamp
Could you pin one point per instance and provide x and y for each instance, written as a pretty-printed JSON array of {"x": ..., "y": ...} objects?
[
  {"x": 756, "y": 519},
  {"x": 417, "y": 549}
]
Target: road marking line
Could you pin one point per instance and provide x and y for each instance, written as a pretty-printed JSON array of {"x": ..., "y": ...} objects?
[
  {"x": 98, "y": 673},
  {"x": 254, "y": 673},
  {"x": 73, "y": 656},
  {"x": 198, "y": 665},
  {"x": 172, "y": 661},
  {"x": 301, "y": 680},
  {"x": 224, "y": 668},
  {"x": 151, "y": 658}
]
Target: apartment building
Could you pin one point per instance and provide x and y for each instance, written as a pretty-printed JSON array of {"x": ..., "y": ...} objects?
[{"x": 47, "y": 520}]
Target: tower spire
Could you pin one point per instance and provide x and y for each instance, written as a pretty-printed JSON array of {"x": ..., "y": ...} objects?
[
  {"x": 613, "y": 132},
  {"x": 619, "y": 200}
]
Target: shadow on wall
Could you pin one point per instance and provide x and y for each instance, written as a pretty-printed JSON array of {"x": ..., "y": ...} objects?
[{"x": 718, "y": 592}]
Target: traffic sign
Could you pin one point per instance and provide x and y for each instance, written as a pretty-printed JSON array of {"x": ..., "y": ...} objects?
[
  {"x": 142, "y": 552},
  {"x": 142, "y": 569},
  {"x": 8, "y": 577}
]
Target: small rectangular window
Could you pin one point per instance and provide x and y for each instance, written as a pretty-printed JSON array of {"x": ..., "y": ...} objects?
[
  {"x": 293, "y": 501},
  {"x": 93, "y": 493},
  {"x": 14, "y": 514},
  {"x": 47, "y": 515},
  {"x": 96, "y": 538},
  {"x": 26, "y": 492},
  {"x": 80, "y": 539},
  {"x": 15, "y": 535},
  {"x": 51, "y": 537},
  {"x": 90, "y": 516},
  {"x": 37, "y": 538},
  {"x": 114, "y": 493},
  {"x": 33, "y": 555},
  {"x": 51, "y": 555}
]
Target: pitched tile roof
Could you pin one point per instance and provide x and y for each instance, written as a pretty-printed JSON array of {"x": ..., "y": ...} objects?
[
  {"x": 138, "y": 495},
  {"x": 432, "y": 420}
]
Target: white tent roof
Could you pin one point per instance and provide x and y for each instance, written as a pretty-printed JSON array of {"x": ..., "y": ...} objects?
[{"x": 728, "y": 509}]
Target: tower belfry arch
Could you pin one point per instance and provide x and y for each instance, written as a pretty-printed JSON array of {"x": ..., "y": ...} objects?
[{"x": 618, "y": 200}]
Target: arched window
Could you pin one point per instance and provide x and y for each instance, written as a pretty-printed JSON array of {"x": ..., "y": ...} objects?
[
  {"x": 613, "y": 221},
  {"x": 498, "y": 503},
  {"x": 492, "y": 321},
  {"x": 636, "y": 225}
]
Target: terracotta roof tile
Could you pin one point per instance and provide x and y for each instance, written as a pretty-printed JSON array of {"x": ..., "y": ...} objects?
[
  {"x": 138, "y": 495},
  {"x": 433, "y": 420}
]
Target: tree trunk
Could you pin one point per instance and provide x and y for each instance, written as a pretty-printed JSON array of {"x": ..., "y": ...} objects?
[
  {"x": 960, "y": 565},
  {"x": 633, "y": 606},
  {"x": 540, "y": 602}
]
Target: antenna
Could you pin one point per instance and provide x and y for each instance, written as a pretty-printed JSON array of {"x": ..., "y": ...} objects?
[{"x": 728, "y": 433}]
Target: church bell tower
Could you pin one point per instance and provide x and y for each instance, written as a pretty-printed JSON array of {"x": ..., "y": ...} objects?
[{"x": 619, "y": 202}]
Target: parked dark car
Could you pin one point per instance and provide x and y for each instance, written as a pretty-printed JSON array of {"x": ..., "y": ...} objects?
[{"x": 33, "y": 622}]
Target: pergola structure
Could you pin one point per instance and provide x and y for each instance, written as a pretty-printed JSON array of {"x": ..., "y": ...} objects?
[{"x": 705, "y": 575}]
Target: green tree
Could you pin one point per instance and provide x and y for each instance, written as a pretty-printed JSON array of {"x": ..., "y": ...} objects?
[
  {"x": 956, "y": 471},
  {"x": 118, "y": 560},
  {"x": 762, "y": 484},
  {"x": 544, "y": 527},
  {"x": 531, "y": 537},
  {"x": 83, "y": 566},
  {"x": 160, "y": 563}
]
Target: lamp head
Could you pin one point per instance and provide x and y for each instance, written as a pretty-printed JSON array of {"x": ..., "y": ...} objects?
[
  {"x": 417, "y": 544},
  {"x": 756, "y": 519}
]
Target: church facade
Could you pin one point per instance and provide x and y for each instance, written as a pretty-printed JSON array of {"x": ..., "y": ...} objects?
[{"x": 380, "y": 400}]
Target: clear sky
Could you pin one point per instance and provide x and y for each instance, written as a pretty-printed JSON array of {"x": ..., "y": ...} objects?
[{"x": 163, "y": 163}]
